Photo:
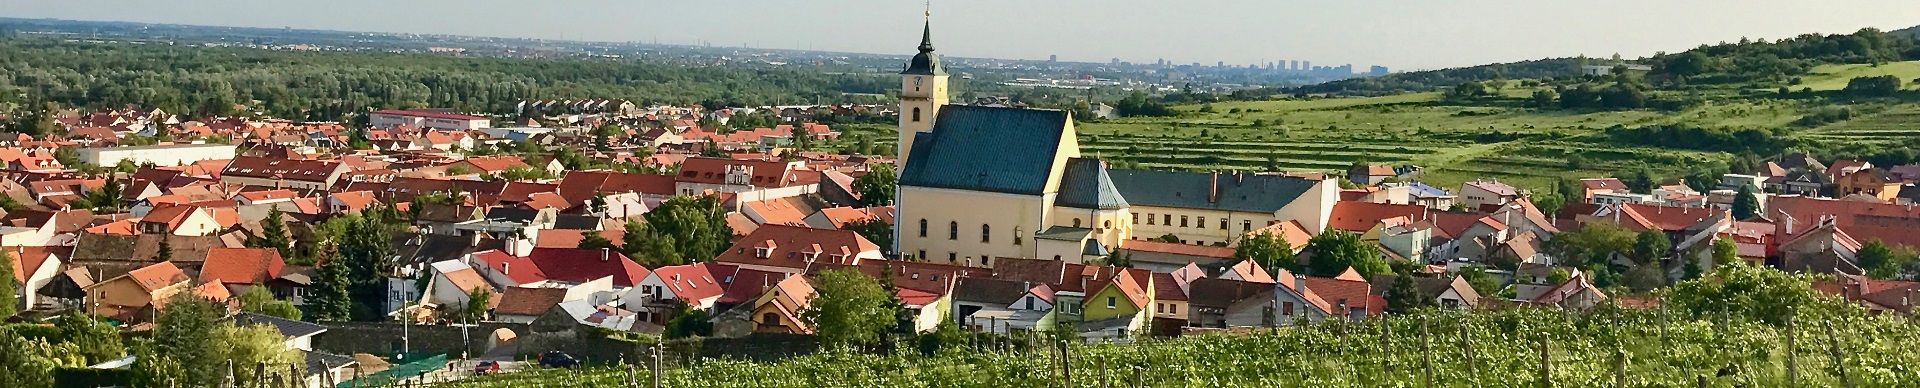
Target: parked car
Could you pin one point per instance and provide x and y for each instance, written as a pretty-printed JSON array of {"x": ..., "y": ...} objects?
[
  {"x": 556, "y": 359},
  {"x": 486, "y": 367}
]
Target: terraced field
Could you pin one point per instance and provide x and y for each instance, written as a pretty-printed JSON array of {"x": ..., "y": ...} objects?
[{"x": 1894, "y": 125}]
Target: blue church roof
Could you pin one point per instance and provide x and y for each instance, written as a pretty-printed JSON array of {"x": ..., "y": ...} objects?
[
  {"x": 1003, "y": 150},
  {"x": 1220, "y": 191},
  {"x": 1086, "y": 185}
]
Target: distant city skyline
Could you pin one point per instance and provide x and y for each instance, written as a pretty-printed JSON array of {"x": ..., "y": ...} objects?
[{"x": 1397, "y": 34}]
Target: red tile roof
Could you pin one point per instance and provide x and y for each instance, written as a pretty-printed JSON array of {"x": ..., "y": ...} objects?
[
  {"x": 157, "y": 276},
  {"x": 570, "y": 238},
  {"x": 275, "y": 168},
  {"x": 765, "y": 173},
  {"x": 241, "y": 265},
  {"x": 778, "y": 211},
  {"x": 564, "y": 265},
  {"x": 26, "y": 260},
  {"x": 1362, "y": 216},
  {"x": 1177, "y": 248},
  {"x": 840, "y": 216},
  {"x": 791, "y": 246},
  {"x": 529, "y": 300},
  {"x": 692, "y": 282}
]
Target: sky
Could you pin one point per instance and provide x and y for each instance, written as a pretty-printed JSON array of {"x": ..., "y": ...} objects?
[{"x": 1401, "y": 34}]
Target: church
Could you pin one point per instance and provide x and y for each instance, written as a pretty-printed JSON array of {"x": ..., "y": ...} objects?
[{"x": 984, "y": 183}]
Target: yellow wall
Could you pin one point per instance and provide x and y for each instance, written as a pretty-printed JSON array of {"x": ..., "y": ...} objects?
[
  {"x": 1195, "y": 233},
  {"x": 1110, "y": 226},
  {"x": 1003, "y": 213},
  {"x": 929, "y": 96},
  {"x": 1096, "y": 305}
]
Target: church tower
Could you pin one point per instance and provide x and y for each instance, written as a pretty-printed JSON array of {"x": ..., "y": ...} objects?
[{"x": 923, "y": 90}]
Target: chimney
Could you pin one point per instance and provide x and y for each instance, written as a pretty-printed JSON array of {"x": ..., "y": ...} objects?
[
  {"x": 506, "y": 268},
  {"x": 1300, "y": 284},
  {"x": 1213, "y": 188}
]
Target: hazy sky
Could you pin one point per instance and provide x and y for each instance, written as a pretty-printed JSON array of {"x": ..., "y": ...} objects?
[{"x": 1403, "y": 34}]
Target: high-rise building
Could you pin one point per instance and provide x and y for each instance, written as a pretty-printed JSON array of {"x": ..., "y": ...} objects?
[
  {"x": 1053, "y": 58},
  {"x": 1378, "y": 70}
]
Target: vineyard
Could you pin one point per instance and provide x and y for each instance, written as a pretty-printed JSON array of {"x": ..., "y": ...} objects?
[{"x": 1609, "y": 347}]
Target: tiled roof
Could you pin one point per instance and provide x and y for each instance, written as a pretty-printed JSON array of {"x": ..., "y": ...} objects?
[
  {"x": 1291, "y": 232},
  {"x": 1497, "y": 188},
  {"x": 691, "y": 282},
  {"x": 989, "y": 290},
  {"x": 791, "y": 246},
  {"x": 1220, "y": 191},
  {"x": 1221, "y": 293},
  {"x": 765, "y": 173},
  {"x": 157, "y": 276},
  {"x": 1603, "y": 184},
  {"x": 1177, "y": 248},
  {"x": 1086, "y": 185},
  {"x": 566, "y": 265},
  {"x": 274, "y": 168},
  {"x": 841, "y": 216},
  {"x": 1363, "y": 216},
  {"x": 1165, "y": 289},
  {"x": 779, "y": 211},
  {"x": 241, "y": 265},
  {"x": 529, "y": 300},
  {"x": 570, "y": 238},
  {"x": 28, "y": 259},
  {"x": 1002, "y": 150}
]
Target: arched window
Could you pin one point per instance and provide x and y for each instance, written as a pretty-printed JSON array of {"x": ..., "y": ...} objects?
[
  {"x": 923, "y": 227},
  {"x": 953, "y": 230},
  {"x": 1016, "y": 236},
  {"x": 986, "y": 233},
  {"x": 916, "y": 115},
  {"x": 1076, "y": 222}
]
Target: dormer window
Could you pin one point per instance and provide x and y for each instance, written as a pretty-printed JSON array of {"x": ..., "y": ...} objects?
[{"x": 763, "y": 252}]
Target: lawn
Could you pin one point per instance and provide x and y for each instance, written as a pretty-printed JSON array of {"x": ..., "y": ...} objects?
[{"x": 1835, "y": 77}]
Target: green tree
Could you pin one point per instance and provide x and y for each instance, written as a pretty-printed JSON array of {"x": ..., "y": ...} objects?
[
  {"x": 476, "y": 308},
  {"x": 1881, "y": 261},
  {"x": 7, "y": 285},
  {"x": 328, "y": 298},
  {"x": 366, "y": 248},
  {"x": 648, "y": 247},
  {"x": 1404, "y": 296},
  {"x": 1334, "y": 250},
  {"x": 251, "y": 345},
  {"x": 697, "y": 226},
  {"x": 1593, "y": 243},
  {"x": 185, "y": 332},
  {"x": 873, "y": 229},
  {"x": 877, "y": 187},
  {"x": 259, "y": 301},
  {"x": 273, "y": 234},
  {"x": 1645, "y": 277},
  {"x": 1268, "y": 250},
  {"x": 848, "y": 309},
  {"x": 1558, "y": 276},
  {"x": 25, "y": 362},
  {"x": 592, "y": 240},
  {"x": 1483, "y": 283},
  {"x": 1745, "y": 204},
  {"x": 96, "y": 341},
  {"x": 688, "y": 322},
  {"x": 1169, "y": 238},
  {"x": 1757, "y": 293},
  {"x": 1651, "y": 245},
  {"x": 1880, "y": 86}
]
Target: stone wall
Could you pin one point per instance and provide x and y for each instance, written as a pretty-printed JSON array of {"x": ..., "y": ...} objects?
[{"x": 386, "y": 338}]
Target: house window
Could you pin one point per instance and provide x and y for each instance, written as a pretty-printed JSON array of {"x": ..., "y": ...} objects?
[
  {"x": 986, "y": 261},
  {"x": 1183, "y": 221},
  {"x": 1029, "y": 302},
  {"x": 1111, "y": 302},
  {"x": 1223, "y": 224},
  {"x": 1246, "y": 226},
  {"x": 1136, "y": 218},
  {"x": 952, "y": 257},
  {"x": 953, "y": 230},
  {"x": 1173, "y": 308},
  {"x": 1160, "y": 308},
  {"x": 923, "y": 254},
  {"x": 1076, "y": 222},
  {"x": 986, "y": 233},
  {"x": 1286, "y": 308},
  {"x": 770, "y": 319},
  {"x": 923, "y": 227},
  {"x": 916, "y": 115},
  {"x": 1150, "y": 219},
  {"x": 1201, "y": 223},
  {"x": 1166, "y": 219},
  {"x": 1016, "y": 235}
]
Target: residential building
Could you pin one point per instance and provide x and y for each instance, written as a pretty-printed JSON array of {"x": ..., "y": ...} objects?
[
  {"x": 389, "y": 119},
  {"x": 159, "y": 155}
]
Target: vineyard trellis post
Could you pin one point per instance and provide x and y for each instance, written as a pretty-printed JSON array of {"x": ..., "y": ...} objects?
[
  {"x": 259, "y": 373},
  {"x": 1839, "y": 360},
  {"x": 1102, "y": 364},
  {"x": 293, "y": 374},
  {"x": 227, "y": 382},
  {"x": 657, "y": 348},
  {"x": 1386, "y": 363},
  {"x": 1793, "y": 356},
  {"x": 1066, "y": 364},
  {"x": 1426, "y": 354},
  {"x": 1546, "y": 363},
  {"x": 1619, "y": 367}
]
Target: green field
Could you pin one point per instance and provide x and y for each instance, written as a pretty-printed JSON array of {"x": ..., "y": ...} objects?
[{"x": 1835, "y": 77}]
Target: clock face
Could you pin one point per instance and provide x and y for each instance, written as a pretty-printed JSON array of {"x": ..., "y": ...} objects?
[{"x": 917, "y": 80}]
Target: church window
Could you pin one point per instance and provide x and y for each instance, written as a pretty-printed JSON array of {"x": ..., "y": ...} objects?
[
  {"x": 986, "y": 233},
  {"x": 1076, "y": 222},
  {"x": 1017, "y": 235},
  {"x": 1183, "y": 221},
  {"x": 923, "y": 228},
  {"x": 916, "y": 115},
  {"x": 953, "y": 230}
]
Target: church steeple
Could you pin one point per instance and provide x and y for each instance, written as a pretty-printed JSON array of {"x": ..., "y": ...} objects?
[{"x": 926, "y": 63}]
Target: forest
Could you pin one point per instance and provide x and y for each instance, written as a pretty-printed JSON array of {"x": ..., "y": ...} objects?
[{"x": 203, "y": 81}]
